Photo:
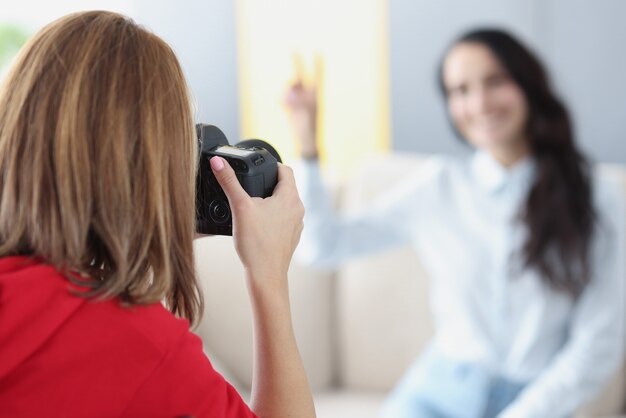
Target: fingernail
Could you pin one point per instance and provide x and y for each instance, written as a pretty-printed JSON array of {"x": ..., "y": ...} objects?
[{"x": 217, "y": 163}]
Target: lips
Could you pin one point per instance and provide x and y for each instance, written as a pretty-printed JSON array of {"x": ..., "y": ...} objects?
[{"x": 489, "y": 124}]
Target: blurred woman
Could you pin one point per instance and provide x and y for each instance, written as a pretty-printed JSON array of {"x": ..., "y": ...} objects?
[
  {"x": 98, "y": 163},
  {"x": 524, "y": 247}
]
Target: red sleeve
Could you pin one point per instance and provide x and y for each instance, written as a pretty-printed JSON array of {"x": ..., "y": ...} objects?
[{"x": 185, "y": 384}]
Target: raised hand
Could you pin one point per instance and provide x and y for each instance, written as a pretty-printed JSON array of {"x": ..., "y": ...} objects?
[{"x": 301, "y": 100}]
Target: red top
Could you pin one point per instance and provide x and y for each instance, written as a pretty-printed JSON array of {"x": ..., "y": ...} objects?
[{"x": 67, "y": 356}]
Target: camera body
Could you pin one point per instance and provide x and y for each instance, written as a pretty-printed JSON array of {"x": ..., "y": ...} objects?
[{"x": 255, "y": 163}]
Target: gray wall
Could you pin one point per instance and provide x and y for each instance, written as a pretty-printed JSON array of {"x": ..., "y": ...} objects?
[
  {"x": 203, "y": 35},
  {"x": 580, "y": 41},
  {"x": 202, "y": 32}
]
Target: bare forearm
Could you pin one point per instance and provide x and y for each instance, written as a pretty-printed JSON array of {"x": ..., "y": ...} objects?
[
  {"x": 266, "y": 233},
  {"x": 280, "y": 387}
]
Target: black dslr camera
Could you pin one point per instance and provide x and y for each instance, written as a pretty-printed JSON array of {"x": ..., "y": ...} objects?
[{"x": 255, "y": 163}]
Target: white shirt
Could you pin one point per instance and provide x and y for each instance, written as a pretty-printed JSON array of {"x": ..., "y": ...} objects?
[{"x": 459, "y": 215}]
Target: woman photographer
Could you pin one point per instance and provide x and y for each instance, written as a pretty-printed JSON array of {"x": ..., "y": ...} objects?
[
  {"x": 98, "y": 158},
  {"x": 523, "y": 245}
]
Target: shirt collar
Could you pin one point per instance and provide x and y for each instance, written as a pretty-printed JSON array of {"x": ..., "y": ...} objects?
[{"x": 492, "y": 176}]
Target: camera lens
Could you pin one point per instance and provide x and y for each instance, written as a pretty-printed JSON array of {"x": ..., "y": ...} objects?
[{"x": 219, "y": 211}]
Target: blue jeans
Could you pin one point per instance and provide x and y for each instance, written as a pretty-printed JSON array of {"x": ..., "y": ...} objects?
[{"x": 438, "y": 387}]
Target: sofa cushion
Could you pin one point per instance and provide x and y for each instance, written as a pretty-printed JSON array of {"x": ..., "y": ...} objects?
[
  {"x": 226, "y": 326},
  {"x": 348, "y": 404},
  {"x": 382, "y": 300}
]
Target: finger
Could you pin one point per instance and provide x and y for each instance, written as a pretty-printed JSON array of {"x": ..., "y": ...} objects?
[
  {"x": 318, "y": 71},
  {"x": 298, "y": 66},
  {"x": 286, "y": 179},
  {"x": 226, "y": 177},
  {"x": 285, "y": 174},
  {"x": 293, "y": 95}
]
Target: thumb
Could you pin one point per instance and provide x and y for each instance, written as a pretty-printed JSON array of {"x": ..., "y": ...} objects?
[{"x": 226, "y": 177}]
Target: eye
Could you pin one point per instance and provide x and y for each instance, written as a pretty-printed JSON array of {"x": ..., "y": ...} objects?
[
  {"x": 459, "y": 90},
  {"x": 496, "y": 80}
]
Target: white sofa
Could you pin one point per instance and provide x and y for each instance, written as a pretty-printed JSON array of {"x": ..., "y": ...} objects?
[{"x": 358, "y": 328}]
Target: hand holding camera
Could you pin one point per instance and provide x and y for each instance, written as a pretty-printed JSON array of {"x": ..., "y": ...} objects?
[
  {"x": 266, "y": 231},
  {"x": 244, "y": 191},
  {"x": 255, "y": 164}
]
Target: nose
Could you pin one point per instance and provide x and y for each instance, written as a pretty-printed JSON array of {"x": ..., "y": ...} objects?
[{"x": 480, "y": 100}]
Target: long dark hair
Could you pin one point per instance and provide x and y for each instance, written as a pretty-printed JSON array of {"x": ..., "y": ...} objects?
[{"x": 558, "y": 213}]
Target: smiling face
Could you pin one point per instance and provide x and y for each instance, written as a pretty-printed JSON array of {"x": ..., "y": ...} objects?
[{"x": 486, "y": 105}]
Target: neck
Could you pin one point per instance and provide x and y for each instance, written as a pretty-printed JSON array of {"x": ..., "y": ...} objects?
[{"x": 511, "y": 155}]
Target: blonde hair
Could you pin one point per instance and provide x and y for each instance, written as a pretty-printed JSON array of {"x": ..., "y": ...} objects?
[{"x": 98, "y": 161}]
